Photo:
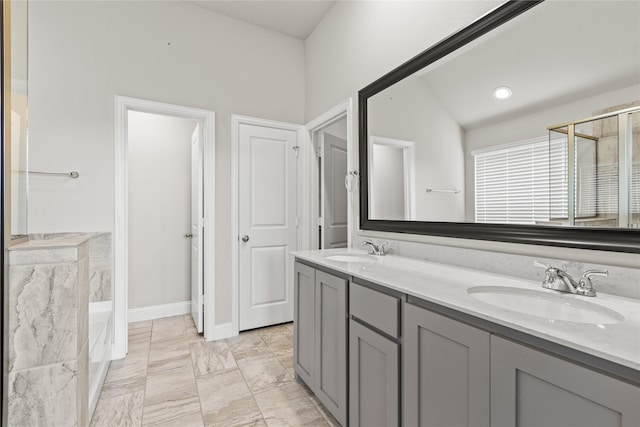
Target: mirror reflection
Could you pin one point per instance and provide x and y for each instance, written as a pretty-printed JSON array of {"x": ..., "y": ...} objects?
[{"x": 496, "y": 132}]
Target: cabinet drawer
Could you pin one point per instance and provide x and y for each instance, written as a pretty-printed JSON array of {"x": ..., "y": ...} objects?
[{"x": 380, "y": 310}]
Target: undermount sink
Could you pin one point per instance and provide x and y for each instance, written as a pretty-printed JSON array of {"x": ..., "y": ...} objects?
[
  {"x": 547, "y": 305},
  {"x": 349, "y": 257}
]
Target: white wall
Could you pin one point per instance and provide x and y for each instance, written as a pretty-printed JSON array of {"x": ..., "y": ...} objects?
[
  {"x": 388, "y": 196},
  {"x": 409, "y": 110},
  {"x": 159, "y": 209},
  {"x": 360, "y": 41},
  {"x": 369, "y": 39},
  {"x": 84, "y": 53},
  {"x": 338, "y": 129}
]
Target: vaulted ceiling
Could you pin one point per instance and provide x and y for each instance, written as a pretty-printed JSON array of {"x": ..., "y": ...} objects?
[{"x": 294, "y": 18}]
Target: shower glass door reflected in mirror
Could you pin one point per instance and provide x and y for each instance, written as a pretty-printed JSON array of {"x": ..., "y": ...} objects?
[
  {"x": 634, "y": 199},
  {"x": 597, "y": 160}
]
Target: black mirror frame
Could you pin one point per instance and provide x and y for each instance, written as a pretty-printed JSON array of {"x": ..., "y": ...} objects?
[{"x": 606, "y": 239}]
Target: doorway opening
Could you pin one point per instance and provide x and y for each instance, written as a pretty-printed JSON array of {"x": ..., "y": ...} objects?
[
  {"x": 164, "y": 215},
  {"x": 332, "y": 176},
  {"x": 392, "y": 179},
  {"x": 164, "y": 209},
  {"x": 304, "y": 211},
  {"x": 330, "y": 143}
]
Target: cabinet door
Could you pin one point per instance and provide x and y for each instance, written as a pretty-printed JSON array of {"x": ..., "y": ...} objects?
[
  {"x": 531, "y": 388},
  {"x": 373, "y": 378},
  {"x": 304, "y": 322},
  {"x": 446, "y": 371},
  {"x": 331, "y": 344}
]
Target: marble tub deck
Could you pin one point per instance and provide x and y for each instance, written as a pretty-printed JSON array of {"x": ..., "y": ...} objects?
[{"x": 172, "y": 377}]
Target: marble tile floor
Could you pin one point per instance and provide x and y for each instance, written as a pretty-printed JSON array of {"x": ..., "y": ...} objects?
[{"x": 172, "y": 377}]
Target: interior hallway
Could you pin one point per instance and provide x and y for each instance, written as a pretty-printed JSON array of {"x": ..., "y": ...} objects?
[{"x": 172, "y": 377}]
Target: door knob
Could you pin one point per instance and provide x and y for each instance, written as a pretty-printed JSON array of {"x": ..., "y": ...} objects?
[
  {"x": 188, "y": 235},
  {"x": 245, "y": 238}
]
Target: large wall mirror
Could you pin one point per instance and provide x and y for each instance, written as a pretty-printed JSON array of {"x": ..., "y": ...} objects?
[{"x": 523, "y": 127}]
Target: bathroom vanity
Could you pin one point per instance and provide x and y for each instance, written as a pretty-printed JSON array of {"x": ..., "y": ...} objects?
[{"x": 398, "y": 341}]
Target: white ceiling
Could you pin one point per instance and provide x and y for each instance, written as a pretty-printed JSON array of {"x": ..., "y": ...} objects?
[
  {"x": 296, "y": 18},
  {"x": 556, "y": 53}
]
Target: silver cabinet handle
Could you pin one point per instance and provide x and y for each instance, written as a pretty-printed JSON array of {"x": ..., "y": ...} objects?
[
  {"x": 245, "y": 238},
  {"x": 188, "y": 235}
]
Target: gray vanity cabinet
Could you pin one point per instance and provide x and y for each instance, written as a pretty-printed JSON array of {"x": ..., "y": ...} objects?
[
  {"x": 373, "y": 378},
  {"x": 304, "y": 322},
  {"x": 414, "y": 363},
  {"x": 374, "y": 351},
  {"x": 446, "y": 375},
  {"x": 320, "y": 336},
  {"x": 532, "y": 388},
  {"x": 331, "y": 344}
]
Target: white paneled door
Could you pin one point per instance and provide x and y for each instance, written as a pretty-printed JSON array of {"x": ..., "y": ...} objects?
[
  {"x": 267, "y": 224},
  {"x": 334, "y": 192},
  {"x": 197, "y": 249}
]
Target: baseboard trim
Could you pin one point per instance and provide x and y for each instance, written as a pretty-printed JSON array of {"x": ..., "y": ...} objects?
[
  {"x": 159, "y": 311},
  {"x": 223, "y": 331}
]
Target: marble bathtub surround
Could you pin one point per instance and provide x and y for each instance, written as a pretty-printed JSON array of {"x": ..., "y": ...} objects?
[
  {"x": 49, "y": 332},
  {"x": 97, "y": 253},
  {"x": 44, "y": 396},
  {"x": 172, "y": 377},
  {"x": 100, "y": 267},
  {"x": 42, "y": 303},
  {"x": 100, "y": 259}
]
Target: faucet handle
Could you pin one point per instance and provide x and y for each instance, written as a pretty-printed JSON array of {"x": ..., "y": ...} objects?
[
  {"x": 587, "y": 274},
  {"x": 552, "y": 277},
  {"x": 375, "y": 249},
  {"x": 370, "y": 245},
  {"x": 537, "y": 263},
  {"x": 585, "y": 287}
]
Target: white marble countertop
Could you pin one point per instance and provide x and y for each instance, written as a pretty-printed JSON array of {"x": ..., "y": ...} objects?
[{"x": 448, "y": 285}]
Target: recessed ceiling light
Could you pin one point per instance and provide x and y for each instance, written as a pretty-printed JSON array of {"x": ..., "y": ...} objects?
[{"x": 502, "y": 92}]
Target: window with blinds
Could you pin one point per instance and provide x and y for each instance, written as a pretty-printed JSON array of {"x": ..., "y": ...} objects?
[{"x": 522, "y": 183}]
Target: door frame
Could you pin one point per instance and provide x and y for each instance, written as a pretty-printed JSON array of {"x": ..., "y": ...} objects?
[
  {"x": 311, "y": 201},
  {"x": 206, "y": 118},
  {"x": 308, "y": 186},
  {"x": 236, "y": 121},
  {"x": 408, "y": 155}
]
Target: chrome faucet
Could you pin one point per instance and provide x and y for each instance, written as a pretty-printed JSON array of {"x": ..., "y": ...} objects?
[
  {"x": 560, "y": 280},
  {"x": 585, "y": 287},
  {"x": 375, "y": 249}
]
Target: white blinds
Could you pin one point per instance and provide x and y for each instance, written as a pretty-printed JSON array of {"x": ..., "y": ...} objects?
[{"x": 522, "y": 183}]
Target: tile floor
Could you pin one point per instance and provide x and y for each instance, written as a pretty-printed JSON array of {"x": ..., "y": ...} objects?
[{"x": 172, "y": 377}]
